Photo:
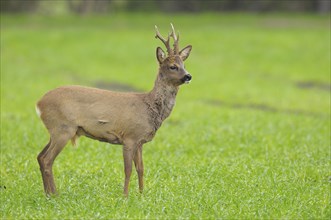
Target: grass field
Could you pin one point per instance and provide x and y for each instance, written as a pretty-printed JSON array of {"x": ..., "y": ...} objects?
[{"x": 248, "y": 138}]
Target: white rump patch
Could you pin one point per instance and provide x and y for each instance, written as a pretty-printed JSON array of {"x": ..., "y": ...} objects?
[{"x": 38, "y": 111}]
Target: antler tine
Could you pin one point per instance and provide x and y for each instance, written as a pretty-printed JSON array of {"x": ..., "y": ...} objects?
[
  {"x": 165, "y": 42},
  {"x": 176, "y": 38}
]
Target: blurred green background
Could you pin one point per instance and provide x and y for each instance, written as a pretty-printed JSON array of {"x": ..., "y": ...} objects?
[
  {"x": 248, "y": 138},
  {"x": 169, "y": 6}
]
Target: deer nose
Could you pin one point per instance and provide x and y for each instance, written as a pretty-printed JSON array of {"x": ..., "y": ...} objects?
[{"x": 187, "y": 78}]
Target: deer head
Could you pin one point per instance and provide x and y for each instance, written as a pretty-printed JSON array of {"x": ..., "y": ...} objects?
[{"x": 172, "y": 65}]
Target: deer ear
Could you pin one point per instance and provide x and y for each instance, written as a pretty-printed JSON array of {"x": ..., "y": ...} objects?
[
  {"x": 160, "y": 55},
  {"x": 184, "y": 53}
]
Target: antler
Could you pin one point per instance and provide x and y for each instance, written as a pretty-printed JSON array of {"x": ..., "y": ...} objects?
[
  {"x": 176, "y": 38},
  {"x": 165, "y": 42}
]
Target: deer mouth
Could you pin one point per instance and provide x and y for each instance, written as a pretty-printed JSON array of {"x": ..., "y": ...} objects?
[{"x": 187, "y": 79}]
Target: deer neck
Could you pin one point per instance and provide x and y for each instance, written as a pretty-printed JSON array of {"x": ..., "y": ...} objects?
[{"x": 162, "y": 98}]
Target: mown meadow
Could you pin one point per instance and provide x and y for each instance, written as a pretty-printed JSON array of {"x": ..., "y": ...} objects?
[{"x": 249, "y": 137}]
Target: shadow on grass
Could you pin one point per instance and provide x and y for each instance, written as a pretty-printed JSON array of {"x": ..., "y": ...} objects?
[
  {"x": 262, "y": 107},
  {"x": 313, "y": 85}
]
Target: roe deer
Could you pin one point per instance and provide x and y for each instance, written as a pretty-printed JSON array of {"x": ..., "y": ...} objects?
[{"x": 128, "y": 119}]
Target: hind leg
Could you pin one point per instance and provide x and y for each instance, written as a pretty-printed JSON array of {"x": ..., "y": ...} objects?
[{"x": 47, "y": 156}]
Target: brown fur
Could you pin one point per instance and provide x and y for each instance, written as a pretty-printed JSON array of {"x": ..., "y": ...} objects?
[{"x": 128, "y": 119}]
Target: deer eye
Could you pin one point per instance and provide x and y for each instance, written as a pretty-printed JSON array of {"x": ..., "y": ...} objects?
[{"x": 173, "y": 67}]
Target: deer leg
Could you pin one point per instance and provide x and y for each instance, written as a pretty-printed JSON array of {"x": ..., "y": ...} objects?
[
  {"x": 138, "y": 161},
  {"x": 46, "y": 159},
  {"x": 128, "y": 156}
]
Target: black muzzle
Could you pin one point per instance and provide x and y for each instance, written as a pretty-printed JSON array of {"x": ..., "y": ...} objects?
[{"x": 187, "y": 78}]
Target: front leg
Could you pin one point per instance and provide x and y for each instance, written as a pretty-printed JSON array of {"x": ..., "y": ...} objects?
[
  {"x": 138, "y": 161},
  {"x": 127, "y": 156}
]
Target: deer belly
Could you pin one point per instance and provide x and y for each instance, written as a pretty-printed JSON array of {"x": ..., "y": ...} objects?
[{"x": 101, "y": 135}]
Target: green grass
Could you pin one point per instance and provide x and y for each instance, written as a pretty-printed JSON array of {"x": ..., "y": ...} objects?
[{"x": 248, "y": 138}]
